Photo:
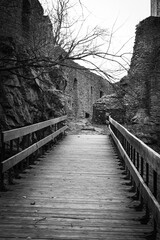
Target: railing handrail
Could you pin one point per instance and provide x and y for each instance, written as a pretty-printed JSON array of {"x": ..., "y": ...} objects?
[
  {"x": 151, "y": 156},
  {"x": 12, "y": 161},
  {"x": 19, "y": 132},
  {"x": 128, "y": 145},
  {"x": 31, "y": 146}
]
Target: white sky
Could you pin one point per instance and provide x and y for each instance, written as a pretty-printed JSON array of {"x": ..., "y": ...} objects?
[{"x": 124, "y": 15}]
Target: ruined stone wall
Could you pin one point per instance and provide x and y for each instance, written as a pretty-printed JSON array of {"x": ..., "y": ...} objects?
[
  {"x": 83, "y": 89},
  {"x": 25, "y": 23},
  {"x": 18, "y": 18},
  {"x": 155, "y": 8},
  {"x": 143, "y": 75},
  {"x": 143, "y": 105}
]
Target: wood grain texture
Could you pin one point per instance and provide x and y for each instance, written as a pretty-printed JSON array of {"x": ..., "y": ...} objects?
[
  {"x": 150, "y": 156},
  {"x": 12, "y": 161},
  {"x": 19, "y": 132},
  {"x": 76, "y": 191},
  {"x": 148, "y": 196}
]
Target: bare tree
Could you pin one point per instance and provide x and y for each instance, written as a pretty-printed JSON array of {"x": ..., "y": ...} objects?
[
  {"x": 57, "y": 39},
  {"x": 88, "y": 44}
]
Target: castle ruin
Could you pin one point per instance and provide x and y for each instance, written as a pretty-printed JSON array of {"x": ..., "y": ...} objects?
[{"x": 27, "y": 93}]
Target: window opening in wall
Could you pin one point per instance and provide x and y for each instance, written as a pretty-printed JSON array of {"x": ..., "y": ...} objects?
[
  {"x": 101, "y": 94},
  {"x": 26, "y": 11},
  {"x": 91, "y": 90},
  {"x": 87, "y": 115},
  {"x": 75, "y": 97}
]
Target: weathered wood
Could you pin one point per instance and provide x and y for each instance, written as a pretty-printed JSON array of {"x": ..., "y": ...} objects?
[
  {"x": 12, "y": 161},
  {"x": 19, "y": 132},
  {"x": 152, "y": 157},
  {"x": 147, "y": 195},
  {"x": 75, "y": 192}
]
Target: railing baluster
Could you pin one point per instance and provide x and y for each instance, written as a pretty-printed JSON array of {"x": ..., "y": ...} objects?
[
  {"x": 2, "y": 187},
  {"x": 155, "y": 194},
  {"x": 136, "y": 152},
  {"x": 155, "y": 183},
  {"x": 142, "y": 166},
  {"x": 10, "y": 181},
  {"x": 137, "y": 161},
  {"x": 16, "y": 168},
  {"x": 27, "y": 146},
  {"x": 131, "y": 153},
  {"x": 147, "y": 173}
]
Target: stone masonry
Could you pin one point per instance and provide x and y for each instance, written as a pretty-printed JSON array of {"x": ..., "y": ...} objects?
[
  {"x": 83, "y": 89},
  {"x": 155, "y": 8},
  {"x": 142, "y": 103}
]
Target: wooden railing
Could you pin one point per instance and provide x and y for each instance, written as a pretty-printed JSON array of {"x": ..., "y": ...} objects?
[
  {"x": 143, "y": 166},
  {"x": 18, "y": 144}
]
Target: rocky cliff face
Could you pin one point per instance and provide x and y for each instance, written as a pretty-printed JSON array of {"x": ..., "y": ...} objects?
[
  {"x": 29, "y": 91},
  {"x": 26, "y": 98},
  {"x": 36, "y": 80}
]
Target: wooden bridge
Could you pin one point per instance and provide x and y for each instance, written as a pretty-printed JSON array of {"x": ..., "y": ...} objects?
[{"x": 80, "y": 187}]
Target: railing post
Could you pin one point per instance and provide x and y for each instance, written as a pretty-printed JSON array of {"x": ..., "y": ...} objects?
[
  {"x": 2, "y": 187},
  {"x": 143, "y": 159},
  {"x": 137, "y": 161},
  {"x": 134, "y": 156},
  {"x": 19, "y": 160},
  {"x": 147, "y": 173},
  {"x": 17, "y": 166},
  {"x": 155, "y": 184},
  {"x": 142, "y": 166},
  {"x": 131, "y": 153},
  {"x": 10, "y": 180},
  {"x": 155, "y": 194},
  {"x": 147, "y": 212}
]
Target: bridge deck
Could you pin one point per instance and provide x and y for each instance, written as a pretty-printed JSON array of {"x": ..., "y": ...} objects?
[{"x": 76, "y": 191}]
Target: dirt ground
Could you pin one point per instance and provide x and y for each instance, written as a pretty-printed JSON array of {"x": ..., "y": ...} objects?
[{"x": 84, "y": 126}]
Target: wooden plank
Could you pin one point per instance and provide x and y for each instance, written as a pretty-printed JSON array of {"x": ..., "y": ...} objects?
[
  {"x": 12, "y": 161},
  {"x": 147, "y": 195},
  {"x": 150, "y": 156},
  {"x": 19, "y": 132},
  {"x": 75, "y": 192}
]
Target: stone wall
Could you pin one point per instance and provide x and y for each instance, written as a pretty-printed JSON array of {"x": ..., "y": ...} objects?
[
  {"x": 143, "y": 76},
  {"x": 108, "y": 105},
  {"x": 143, "y": 105},
  {"x": 18, "y": 18},
  {"x": 83, "y": 89},
  {"x": 155, "y": 8}
]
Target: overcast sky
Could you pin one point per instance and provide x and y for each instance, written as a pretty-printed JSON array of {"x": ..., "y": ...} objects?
[{"x": 124, "y": 15}]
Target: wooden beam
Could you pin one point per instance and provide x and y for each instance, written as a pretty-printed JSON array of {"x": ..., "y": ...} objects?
[
  {"x": 19, "y": 132},
  {"x": 12, "y": 161},
  {"x": 147, "y": 195},
  {"x": 150, "y": 156}
]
